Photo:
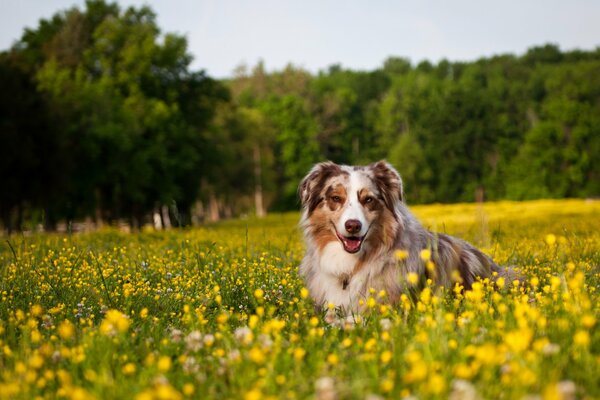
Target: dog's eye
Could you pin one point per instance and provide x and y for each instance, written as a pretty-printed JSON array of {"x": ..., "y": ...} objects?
[
  {"x": 368, "y": 200},
  {"x": 336, "y": 199}
]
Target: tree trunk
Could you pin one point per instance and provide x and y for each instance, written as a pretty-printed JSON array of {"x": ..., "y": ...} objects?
[
  {"x": 157, "y": 219},
  {"x": 165, "y": 218},
  {"x": 258, "y": 192},
  {"x": 198, "y": 213},
  {"x": 213, "y": 207}
]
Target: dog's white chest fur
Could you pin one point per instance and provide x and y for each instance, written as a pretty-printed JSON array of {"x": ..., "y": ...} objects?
[
  {"x": 334, "y": 260},
  {"x": 336, "y": 280}
]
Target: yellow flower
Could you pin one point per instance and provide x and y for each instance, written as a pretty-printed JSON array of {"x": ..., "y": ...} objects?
[
  {"x": 387, "y": 385},
  {"x": 304, "y": 293},
  {"x": 36, "y": 310},
  {"x": 166, "y": 392},
  {"x": 417, "y": 372},
  {"x": 412, "y": 278},
  {"x": 463, "y": 371},
  {"x": 128, "y": 369},
  {"x": 188, "y": 389},
  {"x": 370, "y": 344},
  {"x": 436, "y": 384},
  {"x": 386, "y": 356},
  {"x": 145, "y": 395},
  {"x": 252, "y": 321},
  {"x": 333, "y": 359},
  {"x": 550, "y": 239},
  {"x": 222, "y": 318},
  {"x": 253, "y": 394},
  {"x": 588, "y": 320},
  {"x": 80, "y": 394},
  {"x": 164, "y": 363},
  {"x": 259, "y": 293},
  {"x": 114, "y": 322},
  {"x": 299, "y": 353},
  {"x": 36, "y": 336},
  {"x": 36, "y": 361},
  {"x": 66, "y": 330},
  {"x": 581, "y": 338},
  {"x": 518, "y": 340},
  {"x": 401, "y": 254},
  {"x": 371, "y": 302},
  {"x": 425, "y": 254},
  {"x": 500, "y": 282},
  {"x": 257, "y": 355}
]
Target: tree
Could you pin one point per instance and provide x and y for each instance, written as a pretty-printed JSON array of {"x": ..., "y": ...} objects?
[{"x": 131, "y": 118}]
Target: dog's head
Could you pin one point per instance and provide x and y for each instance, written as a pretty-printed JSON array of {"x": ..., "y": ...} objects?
[{"x": 348, "y": 203}]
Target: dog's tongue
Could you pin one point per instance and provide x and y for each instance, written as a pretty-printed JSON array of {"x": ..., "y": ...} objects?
[{"x": 351, "y": 244}]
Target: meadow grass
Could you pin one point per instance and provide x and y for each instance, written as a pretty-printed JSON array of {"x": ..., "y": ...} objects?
[{"x": 220, "y": 312}]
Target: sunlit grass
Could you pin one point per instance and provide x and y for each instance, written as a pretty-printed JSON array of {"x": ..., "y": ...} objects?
[{"x": 219, "y": 312}]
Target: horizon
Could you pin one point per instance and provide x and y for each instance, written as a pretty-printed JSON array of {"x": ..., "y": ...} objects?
[{"x": 223, "y": 36}]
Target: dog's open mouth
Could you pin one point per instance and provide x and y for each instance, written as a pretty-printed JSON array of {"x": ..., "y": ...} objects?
[{"x": 351, "y": 244}]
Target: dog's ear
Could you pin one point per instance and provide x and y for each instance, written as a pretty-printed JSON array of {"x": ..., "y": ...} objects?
[
  {"x": 311, "y": 186},
  {"x": 388, "y": 182}
]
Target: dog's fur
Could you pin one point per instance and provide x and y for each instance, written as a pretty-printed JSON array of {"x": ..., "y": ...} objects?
[{"x": 341, "y": 265}]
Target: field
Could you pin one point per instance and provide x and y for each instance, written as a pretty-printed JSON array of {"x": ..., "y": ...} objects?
[{"x": 219, "y": 312}]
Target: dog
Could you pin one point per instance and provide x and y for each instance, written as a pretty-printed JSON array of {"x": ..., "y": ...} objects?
[{"x": 360, "y": 235}]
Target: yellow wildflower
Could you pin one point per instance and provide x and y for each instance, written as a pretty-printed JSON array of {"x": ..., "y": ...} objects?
[
  {"x": 412, "y": 278},
  {"x": 164, "y": 363},
  {"x": 66, "y": 330},
  {"x": 581, "y": 338},
  {"x": 425, "y": 254},
  {"x": 401, "y": 254},
  {"x": 114, "y": 322}
]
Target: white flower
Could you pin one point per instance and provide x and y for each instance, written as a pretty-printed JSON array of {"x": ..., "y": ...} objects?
[
  {"x": 386, "y": 324},
  {"x": 325, "y": 389},
  {"x": 266, "y": 341},
  {"x": 244, "y": 335},
  {"x": 190, "y": 365},
  {"x": 567, "y": 390},
  {"x": 176, "y": 335},
  {"x": 463, "y": 390},
  {"x": 550, "y": 348},
  {"x": 193, "y": 341},
  {"x": 234, "y": 355},
  {"x": 209, "y": 339}
]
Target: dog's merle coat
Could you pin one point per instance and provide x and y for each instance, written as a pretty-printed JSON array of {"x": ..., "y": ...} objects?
[{"x": 354, "y": 221}]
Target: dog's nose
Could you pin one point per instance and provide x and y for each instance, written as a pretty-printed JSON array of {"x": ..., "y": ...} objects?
[{"x": 353, "y": 226}]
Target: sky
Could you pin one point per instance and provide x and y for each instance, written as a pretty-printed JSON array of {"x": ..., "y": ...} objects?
[{"x": 314, "y": 34}]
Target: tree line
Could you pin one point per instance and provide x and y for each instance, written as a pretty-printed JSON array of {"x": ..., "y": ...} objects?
[{"x": 102, "y": 117}]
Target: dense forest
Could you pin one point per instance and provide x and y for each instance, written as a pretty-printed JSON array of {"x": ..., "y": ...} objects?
[{"x": 102, "y": 118}]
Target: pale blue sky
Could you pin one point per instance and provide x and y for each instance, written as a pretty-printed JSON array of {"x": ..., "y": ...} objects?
[{"x": 358, "y": 34}]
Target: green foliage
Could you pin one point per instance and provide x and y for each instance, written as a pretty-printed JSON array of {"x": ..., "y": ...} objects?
[
  {"x": 295, "y": 143},
  {"x": 132, "y": 121},
  {"x": 102, "y": 117}
]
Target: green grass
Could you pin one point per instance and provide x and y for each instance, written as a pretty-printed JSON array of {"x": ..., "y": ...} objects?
[{"x": 219, "y": 312}]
